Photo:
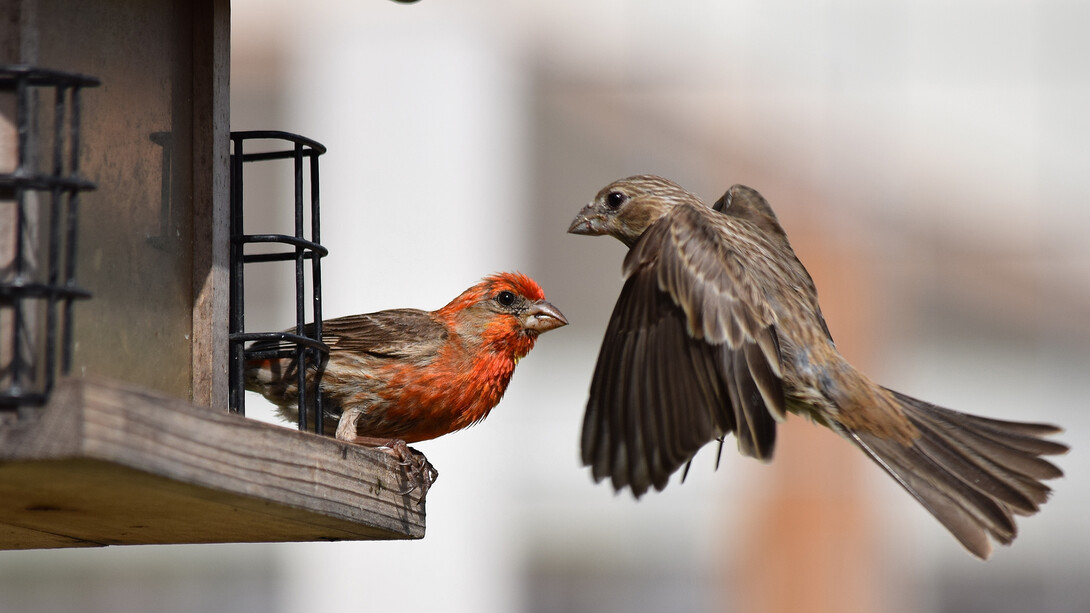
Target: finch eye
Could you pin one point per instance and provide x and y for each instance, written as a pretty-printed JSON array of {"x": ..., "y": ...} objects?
[
  {"x": 505, "y": 298},
  {"x": 615, "y": 199}
]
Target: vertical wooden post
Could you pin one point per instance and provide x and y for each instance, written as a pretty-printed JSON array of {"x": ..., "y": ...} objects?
[{"x": 211, "y": 185}]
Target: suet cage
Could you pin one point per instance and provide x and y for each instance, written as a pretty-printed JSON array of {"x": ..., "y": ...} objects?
[
  {"x": 39, "y": 221},
  {"x": 302, "y": 343}
]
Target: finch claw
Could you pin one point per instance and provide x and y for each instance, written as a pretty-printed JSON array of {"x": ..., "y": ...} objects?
[{"x": 419, "y": 473}]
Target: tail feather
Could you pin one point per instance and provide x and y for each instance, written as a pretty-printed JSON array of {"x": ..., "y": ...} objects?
[
  {"x": 941, "y": 494},
  {"x": 1013, "y": 468},
  {"x": 1023, "y": 436},
  {"x": 972, "y": 473},
  {"x": 1022, "y": 461}
]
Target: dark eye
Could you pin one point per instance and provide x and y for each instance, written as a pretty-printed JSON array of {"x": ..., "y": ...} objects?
[
  {"x": 615, "y": 199},
  {"x": 505, "y": 298}
]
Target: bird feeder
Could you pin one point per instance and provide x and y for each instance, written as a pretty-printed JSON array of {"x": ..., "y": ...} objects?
[{"x": 138, "y": 442}]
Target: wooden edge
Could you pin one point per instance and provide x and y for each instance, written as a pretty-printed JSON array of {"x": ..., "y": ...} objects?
[{"x": 214, "y": 462}]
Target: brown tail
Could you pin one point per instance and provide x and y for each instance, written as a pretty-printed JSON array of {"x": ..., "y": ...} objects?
[{"x": 972, "y": 473}]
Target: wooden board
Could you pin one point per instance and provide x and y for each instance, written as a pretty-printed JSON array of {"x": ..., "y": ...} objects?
[
  {"x": 211, "y": 203},
  {"x": 104, "y": 464}
]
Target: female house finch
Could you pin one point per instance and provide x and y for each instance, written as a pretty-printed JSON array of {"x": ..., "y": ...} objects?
[
  {"x": 406, "y": 375},
  {"x": 718, "y": 330}
]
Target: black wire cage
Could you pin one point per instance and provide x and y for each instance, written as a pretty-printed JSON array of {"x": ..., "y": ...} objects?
[
  {"x": 39, "y": 214},
  {"x": 302, "y": 344}
]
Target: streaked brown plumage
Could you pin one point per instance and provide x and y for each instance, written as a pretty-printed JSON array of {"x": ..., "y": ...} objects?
[
  {"x": 405, "y": 375},
  {"x": 718, "y": 330}
]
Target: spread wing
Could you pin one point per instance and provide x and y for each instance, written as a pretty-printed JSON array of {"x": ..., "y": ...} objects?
[{"x": 690, "y": 354}]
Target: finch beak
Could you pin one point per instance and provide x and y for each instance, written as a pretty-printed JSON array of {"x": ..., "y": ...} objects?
[
  {"x": 588, "y": 222},
  {"x": 542, "y": 317}
]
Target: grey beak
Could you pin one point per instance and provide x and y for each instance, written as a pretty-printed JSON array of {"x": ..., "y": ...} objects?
[
  {"x": 588, "y": 223},
  {"x": 542, "y": 317}
]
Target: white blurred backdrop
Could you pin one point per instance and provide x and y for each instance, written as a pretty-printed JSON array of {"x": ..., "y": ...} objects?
[{"x": 929, "y": 161}]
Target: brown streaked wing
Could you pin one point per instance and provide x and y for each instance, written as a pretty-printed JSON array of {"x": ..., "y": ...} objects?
[
  {"x": 703, "y": 275},
  {"x": 396, "y": 333},
  {"x": 699, "y": 268},
  {"x": 655, "y": 397},
  {"x": 659, "y": 393},
  {"x": 747, "y": 204}
]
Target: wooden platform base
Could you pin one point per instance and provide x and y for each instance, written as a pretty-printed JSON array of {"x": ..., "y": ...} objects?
[{"x": 104, "y": 464}]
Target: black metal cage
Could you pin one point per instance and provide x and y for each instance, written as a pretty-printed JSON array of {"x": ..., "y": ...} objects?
[
  {"x": 39, "y": 202},
  {"x": 303, "y": 343}
]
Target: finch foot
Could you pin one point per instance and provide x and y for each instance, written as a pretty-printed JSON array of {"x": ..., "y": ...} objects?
[{"x": 419, "y": 473}]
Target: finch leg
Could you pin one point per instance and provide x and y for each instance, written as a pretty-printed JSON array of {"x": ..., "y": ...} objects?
[
  {"x": 419, "y": 471},
  {"x": 421, "y": 474},
  {"x": 718, "y": 456}
]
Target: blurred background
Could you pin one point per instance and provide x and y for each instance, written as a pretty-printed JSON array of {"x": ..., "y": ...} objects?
[{"x": 929, "y": 161}]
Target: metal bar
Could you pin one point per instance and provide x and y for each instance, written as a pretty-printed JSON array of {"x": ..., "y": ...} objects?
[
  {"x": 278, "y": 257},
  {"x": 54, "y": 247},
  {"x": 14, "y": 291},
  {"x": 310, "y": 144},
  {"x": 22, "y": 138},
  {"x": 286, "y": 239},
  {"x": 300, "y": 304},
  {"x": 23, "y": 125},
  {"x": 316, "y": 296},
  {"x": 285, "y": 337},
  {"x": 15, "y": 398},
  {"x": 31, "y": 180},
  {"x": 43, "y": 77},
  {"x": 71, "y": 225},
  {"x": 237, "y": 323},
  {"x": 286, "y": 154}
]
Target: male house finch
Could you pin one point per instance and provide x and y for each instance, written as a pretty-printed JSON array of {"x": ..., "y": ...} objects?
[
  {"x": 406, "y": 375},
  {"x": 718, "y": 330}
]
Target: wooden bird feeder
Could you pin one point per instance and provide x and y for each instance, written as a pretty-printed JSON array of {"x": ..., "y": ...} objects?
[{"x": 136, "y": 444}]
